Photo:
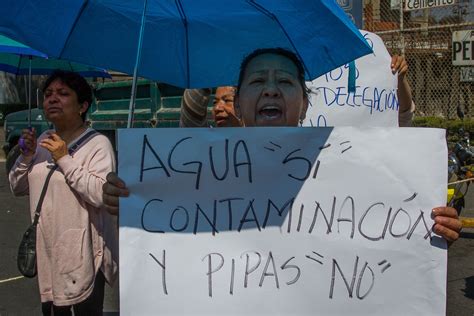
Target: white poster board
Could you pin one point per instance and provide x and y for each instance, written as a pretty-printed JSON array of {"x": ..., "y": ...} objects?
[
  {"x": 375, "y": 101},
  {"x": 292, "y": 221}
]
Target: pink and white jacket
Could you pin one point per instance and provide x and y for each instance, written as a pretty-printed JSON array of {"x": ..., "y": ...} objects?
[{"x": 75, "y": 236}]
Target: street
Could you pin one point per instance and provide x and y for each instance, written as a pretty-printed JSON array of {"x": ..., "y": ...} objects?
[{"x": 19, "y": 296}]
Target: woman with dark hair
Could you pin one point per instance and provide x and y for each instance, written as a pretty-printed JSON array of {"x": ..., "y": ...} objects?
[
  {"x": 271, "y": 91},
  {"x": 76, "y": 242}
]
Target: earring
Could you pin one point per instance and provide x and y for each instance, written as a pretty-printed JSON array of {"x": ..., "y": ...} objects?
[{"x": 301, "y": 122}]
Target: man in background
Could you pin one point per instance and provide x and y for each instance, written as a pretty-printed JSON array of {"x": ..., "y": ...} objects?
[{"x": 194, "y": 108}]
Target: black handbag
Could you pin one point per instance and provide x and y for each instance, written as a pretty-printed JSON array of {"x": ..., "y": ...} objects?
[{"x": 26, "y": 259}]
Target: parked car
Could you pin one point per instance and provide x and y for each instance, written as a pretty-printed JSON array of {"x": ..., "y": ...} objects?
[{"x": 7, "y": 108}]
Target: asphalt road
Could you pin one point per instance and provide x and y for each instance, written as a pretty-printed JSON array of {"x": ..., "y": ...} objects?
[{"x": 19, "y": 296}]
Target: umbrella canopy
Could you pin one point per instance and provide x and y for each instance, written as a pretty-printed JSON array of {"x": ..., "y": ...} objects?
[
  {"x": 7, "y": 45},
  {"x": 187, "y": 43},
  {"x": 19, "y": 59},
  {"x": 20, "y": 65}
]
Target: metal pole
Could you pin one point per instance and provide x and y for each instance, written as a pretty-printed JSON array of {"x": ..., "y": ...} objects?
[
  {"x": 29, "y": 93},
  {"x": 131, "y": 108},
  {"x": 402, "y": 39}
]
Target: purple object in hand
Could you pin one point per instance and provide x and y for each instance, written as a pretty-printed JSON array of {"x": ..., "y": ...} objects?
[{"x": 22, "y": 145}]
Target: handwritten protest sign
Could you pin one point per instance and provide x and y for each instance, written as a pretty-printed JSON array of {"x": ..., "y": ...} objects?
[
  {"x": 375, "y": 101},
  {"x": 282, "y": 221}
]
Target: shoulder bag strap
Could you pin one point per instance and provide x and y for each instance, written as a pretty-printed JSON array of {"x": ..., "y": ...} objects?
[
  {"x": 43, "y": 193},
  {"x": 71, "y": 150},
  {"x": 81, "y": 140}
]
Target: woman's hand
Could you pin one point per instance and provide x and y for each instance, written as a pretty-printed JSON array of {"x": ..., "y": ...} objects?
[
  {"x": 447, "y": 223},
  {"x": 111, "y": 191},
  {"x": 55, "y": 145},
  {"x": 27, "y": 142},
  {"x": 400, "y": 65}
]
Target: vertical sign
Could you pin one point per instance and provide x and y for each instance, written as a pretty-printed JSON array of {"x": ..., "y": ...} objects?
[
  {"x": 353, "y": 8},
  {"x": 463, "y": 48}
]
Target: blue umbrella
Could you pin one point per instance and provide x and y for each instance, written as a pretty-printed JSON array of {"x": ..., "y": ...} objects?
[
  {"x": 187, "y": 43},
  {"x": 19, "y": 59}
]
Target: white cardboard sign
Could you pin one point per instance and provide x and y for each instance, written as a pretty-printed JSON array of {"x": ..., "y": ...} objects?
[
  {"x": 375, "y": 101},
  {"x": 300, "y": 221}
]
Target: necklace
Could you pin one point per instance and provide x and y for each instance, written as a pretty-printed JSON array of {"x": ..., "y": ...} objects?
[{"x": 68, "y": 137}]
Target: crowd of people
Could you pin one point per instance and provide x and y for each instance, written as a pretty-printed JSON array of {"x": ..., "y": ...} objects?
[{"x": 77, "y": 233}]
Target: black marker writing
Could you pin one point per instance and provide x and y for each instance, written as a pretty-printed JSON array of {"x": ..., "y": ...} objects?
[
  {"x": 162, "y": 264},
  {"x": 197, "y": 171},
  {"x": 211, "y": 159},
  {"x": 266, "y": 273},
  {"x": 146, "y": 145},
  {"x": 290, "y": 158},
  {"x": 211, "y": 269},
  {"x": 291, "y": 266},
  {"x": 241, "y": 147},
  {"x": 249, "y": 270}
]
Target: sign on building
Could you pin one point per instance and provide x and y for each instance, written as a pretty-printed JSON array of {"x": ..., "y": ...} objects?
[
  {"x": 426, "y": 4},
  {"x": 463, "y": 48},
  {"x": 353, "y": 8},
  {"x": 467, "y": 74}
]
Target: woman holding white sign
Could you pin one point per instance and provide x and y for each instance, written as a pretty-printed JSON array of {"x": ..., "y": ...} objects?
[{"x": 272, "y": 92}]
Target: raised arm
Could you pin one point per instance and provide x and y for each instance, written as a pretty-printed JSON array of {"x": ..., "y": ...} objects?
[
  {"x": 194, "y": 108},
  {"x": 405, "y": 98}
]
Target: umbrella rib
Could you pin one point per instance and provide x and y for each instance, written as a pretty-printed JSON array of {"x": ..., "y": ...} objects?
[
  {"x": 72, "y": 27},
  {"x": 185, "y": 23},
  {"x": 273, "y": 17},
  {"x": 18, "y": 65},
  {"x": 131, "y": 111},
  {"x": 29, "y": 91}
]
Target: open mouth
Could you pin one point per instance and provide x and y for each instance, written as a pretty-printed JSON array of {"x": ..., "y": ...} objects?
[{"x": 270, "y": 112}]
